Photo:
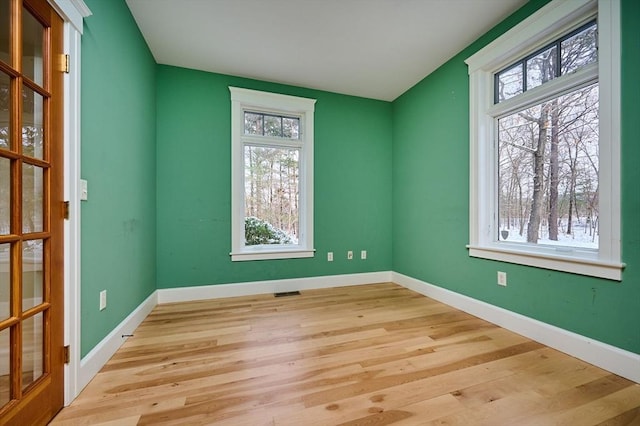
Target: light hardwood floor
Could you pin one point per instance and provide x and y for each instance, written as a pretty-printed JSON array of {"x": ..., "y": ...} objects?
[{"x": 364, "y": 355}]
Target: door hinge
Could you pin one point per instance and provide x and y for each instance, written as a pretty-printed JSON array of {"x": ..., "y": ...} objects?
[
  {"x": 67, "y": 354},
  {"x": 66, "y": 63},
  {"x": 65, "y": 210}
]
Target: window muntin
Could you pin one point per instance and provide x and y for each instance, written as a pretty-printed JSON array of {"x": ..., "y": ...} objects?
[
  {"x": 565, "y": 55},
  {"x": 537, "y": 34},
  {"x": 272, "y": 175},
  {"x": 261, "y": 124}
]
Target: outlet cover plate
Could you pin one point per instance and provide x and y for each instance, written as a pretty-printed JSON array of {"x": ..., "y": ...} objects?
[{"x": 502, "y": 278}]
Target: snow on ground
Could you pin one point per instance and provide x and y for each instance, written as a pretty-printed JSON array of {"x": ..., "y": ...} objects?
[{"x": 580, "y": 238}]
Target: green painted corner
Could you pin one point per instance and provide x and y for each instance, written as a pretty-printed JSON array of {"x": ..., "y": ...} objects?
[
  {"x": 431, "y": 204},
  {"x": 352, "y": 182}
]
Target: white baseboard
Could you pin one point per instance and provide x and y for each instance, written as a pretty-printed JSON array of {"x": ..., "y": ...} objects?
[
  {"x": 91, "y": 364},
  {"x": 185, "y": 294},
  {"x": 610, "y": 358}
]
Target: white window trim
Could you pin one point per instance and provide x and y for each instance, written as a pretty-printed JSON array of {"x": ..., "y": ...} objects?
[
  {"x": 540, "y": 28},
  {"x": 245, "y": 99}
]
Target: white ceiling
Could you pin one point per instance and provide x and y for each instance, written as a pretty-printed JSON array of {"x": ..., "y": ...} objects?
[{"x": 372, "y": 48}]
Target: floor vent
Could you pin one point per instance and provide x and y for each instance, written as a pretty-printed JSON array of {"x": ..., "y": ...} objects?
[{"x": 287, "y": 294}]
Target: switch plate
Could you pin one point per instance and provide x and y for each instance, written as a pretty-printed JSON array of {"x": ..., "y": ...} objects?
[
  {"x": 84, "y": 192},
  {"x": 350, "y": 255},
  {"x": 330, "y": 256},
  {"x": 103, "y": 300},
  {"x": 363, "y": 255},
  {"x": 502, "y": 278}
]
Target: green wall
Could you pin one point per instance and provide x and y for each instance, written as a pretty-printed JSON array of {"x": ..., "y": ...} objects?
[
  {"x": 352, "y": 188},
  {"x": 119, "y": 162},
  {"x": 391, "y": 178},
  {"x": 431, "y": 204}
]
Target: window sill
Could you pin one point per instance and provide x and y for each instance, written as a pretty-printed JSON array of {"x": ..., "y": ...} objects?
[
  {"x": 268, "y": 253},
  {"x": 582, "y": 265}
]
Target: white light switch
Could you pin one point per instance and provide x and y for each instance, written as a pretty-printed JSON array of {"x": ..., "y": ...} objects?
[
  {"x": 103, "y": 300},
  {"x": 84, "y": 192}
]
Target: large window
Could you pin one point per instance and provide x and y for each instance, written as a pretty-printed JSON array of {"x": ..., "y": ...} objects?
[
  {"x": 545, "y": 141},
  {"x": 272, "y": 175}
]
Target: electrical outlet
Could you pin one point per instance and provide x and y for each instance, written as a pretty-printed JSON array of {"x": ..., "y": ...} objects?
[
  {"x": 103, "y": 300},
  {"x": 350, "y": 255},
  {"x": 502, "y": 278},
  {"x": 330, "y": 256},
  {"x": 363, "y": 255}
]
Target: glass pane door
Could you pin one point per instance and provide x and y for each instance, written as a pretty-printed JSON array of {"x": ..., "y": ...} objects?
[{"x": 30, "y": 212}]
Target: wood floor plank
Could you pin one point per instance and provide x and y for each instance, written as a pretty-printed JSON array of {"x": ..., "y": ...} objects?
[
  {"x": 126, "y": 421},
  {"x": 339, "y": 410},
  {"x": 425, "y": 411},
  {"x": 597, "y": 410},
  {"x": 363, "y": 355},
  {"x": 628, "y": 418}
]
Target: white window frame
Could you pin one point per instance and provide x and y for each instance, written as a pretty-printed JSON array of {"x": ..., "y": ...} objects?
[
  {"x": 544, "y": 26},
  {"x": 256, "y": 101}
]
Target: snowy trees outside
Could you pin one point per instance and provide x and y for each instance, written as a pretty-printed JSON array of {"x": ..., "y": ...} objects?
[
  {"x": 548, "y": 152},
  {"x": 260, "y": 232},
  {"x": 272, "y": 190},
  {"x": 271, "y": 181}
]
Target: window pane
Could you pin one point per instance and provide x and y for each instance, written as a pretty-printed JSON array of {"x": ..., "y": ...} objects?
[
  {"x": 33, "y": 123},
  {"x": 5, "y": 104},
  {"x": 509, "y": 83},
  {"x": 5, "y": 196},
  {"x": 5, "y": 366},
  {"x": 271, "y": 195},
  {"x": 32, "y": 278},
  {"x": 32, "y": 349},
  {"x": 253, "y": 124},
  {"x": 272, "y": 125},
  {"x": 579, "y": 50},
  {"x": 291, "y": 127},
  {"x": 542, "y": 68},
  {"x": 5, "y": 282},
  {"x": 548, "y": 172},
  {"x": 5, "y": 40},
  {"x": 33, "y": 37},
  {"x": 32, "y": 198}
]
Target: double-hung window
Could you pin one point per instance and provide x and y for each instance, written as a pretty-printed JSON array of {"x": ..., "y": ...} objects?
[
  {"x": 271, "y": 175},
  {"x": 544, "y": 138}
]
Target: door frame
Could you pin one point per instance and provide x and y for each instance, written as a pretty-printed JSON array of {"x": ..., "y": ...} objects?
[{"x": 73, "y": 13}]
